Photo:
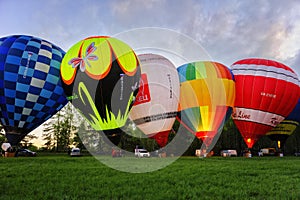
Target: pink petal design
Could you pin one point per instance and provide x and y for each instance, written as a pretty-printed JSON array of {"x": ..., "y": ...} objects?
[
  {"x": 91, "y": 48},
  {"x": 75, "y": 62},
  {"x": 82, "y": 65},
  {"x": 92, "y": 57}
]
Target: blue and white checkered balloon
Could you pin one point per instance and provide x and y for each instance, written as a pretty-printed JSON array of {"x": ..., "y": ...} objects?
[{"x": 30, "y": 85}]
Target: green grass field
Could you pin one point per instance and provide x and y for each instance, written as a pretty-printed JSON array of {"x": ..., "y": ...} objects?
[{"x": 63, "y": 177}]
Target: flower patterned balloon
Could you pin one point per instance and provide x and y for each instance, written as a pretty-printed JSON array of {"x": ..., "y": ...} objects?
[{"x": 100, "y": 77}]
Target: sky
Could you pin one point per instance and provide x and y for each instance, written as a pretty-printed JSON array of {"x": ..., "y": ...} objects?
[{"x": 229, "y": 30}]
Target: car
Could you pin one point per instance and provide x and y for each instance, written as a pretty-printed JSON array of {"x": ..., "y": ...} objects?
[
  {"x": 297, "y": 154},
  {"x": 142, "y": 153},
  {"x": 228, "y": 153},
  {"x": 26, "y": 153},
  {"x": 75, "y": 152}
]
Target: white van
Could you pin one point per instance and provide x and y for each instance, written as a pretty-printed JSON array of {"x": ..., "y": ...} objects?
[
  {"x": 267, "y": 152},
  {"x": 75, "y": 152},
  {"x": 228, "y": 153}
]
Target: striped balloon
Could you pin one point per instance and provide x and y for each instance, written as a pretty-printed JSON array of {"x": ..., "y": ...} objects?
[
  {"x": 286, "y": 128},
  {"x": 207, "y": 94},
  {"x": 266, "y": 92},
  {"x": 30, "y": 86}
]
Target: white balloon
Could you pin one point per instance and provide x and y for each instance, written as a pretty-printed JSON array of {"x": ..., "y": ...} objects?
[{"x": 156, "y": 104}]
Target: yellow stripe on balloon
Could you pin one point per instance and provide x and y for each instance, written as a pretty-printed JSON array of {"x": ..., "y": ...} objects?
[
  {"x": 100, "y": 67},
  {"x": 126, "y": 57},
  {"x": 197, "y": 93},
  {"x": 205, "y": 118}
]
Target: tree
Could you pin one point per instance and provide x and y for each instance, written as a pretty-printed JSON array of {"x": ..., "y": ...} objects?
[
  {"x": 26, "y": 141},
  {"x": 59, "y": 130},
  {"x": 51, "y": 129},
  {"x": 67, "y": 129},
  {"x": 77, "y": 140}
]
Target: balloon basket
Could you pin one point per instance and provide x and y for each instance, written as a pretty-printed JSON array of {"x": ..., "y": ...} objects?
[
  {"x": 9, "y": 154},
  {"x": 247, "y": 155},
  {"x": 163, "y": 155}
]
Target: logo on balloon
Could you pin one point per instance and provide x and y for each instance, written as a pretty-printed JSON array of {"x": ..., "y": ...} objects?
[
  {"x": 143, "y": 96},
  {"x": 27, "y": 64},
  {"x": 241, "y": 115},
  {"x": 275, "y": 121},
  {"x": 81, "y": 62}
]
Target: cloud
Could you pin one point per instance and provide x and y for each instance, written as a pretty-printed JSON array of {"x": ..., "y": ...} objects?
[
  {"x": 294, "y": 63},
  {"x": 229, "y": 30},
  {"x": 62, "y": 22},
  {"x": 232, "y": 30}
]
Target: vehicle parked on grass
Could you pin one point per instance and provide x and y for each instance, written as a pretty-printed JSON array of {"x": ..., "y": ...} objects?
[
  {"x": 75, "y": 152},
  {"x": 267, "y": 152},
  {"x": 25, "y": 153},
  {"x": 203, "y": 153},
  {"x": 297, "y": 154},
  {"x": 228, "y": 153},
  {"x": 142, "y": 153}
]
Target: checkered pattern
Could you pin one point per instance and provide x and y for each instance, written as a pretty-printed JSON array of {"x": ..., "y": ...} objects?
[{"x": 30, "y": 87}]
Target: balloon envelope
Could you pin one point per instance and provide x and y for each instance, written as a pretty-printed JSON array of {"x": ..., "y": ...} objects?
[
  {"x": 156, "y": 104},
  {"x": 266, "y": 92},
  {"x": 100, "y": 77},
  {"x": 283, "y": 130},
  {"x": 207, "y": 95},
  {"x": 5, "y": 146},
  {"x": 30, "y": 86}
]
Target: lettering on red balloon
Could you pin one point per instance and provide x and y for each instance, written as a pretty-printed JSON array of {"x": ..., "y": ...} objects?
[
  {"x": 274, "y": 121},
  {"x": 241, "y": 115}
]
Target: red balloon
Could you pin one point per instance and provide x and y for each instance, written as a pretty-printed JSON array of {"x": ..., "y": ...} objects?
[{"x": 266, "y": 92}]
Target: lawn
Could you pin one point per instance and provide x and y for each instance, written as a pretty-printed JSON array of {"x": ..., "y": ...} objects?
[{"x": 63, "y": 177}]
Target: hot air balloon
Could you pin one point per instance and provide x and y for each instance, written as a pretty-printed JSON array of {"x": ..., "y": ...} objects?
[
  {"x": 207, "y": 94},
  {"x": 155, "y": 108},
  {"x": 101, "y": 78},
  {"x": 266, "y": 92},
  {"x": 286, "y": 128},
  {"x": 30, "y": 86}
]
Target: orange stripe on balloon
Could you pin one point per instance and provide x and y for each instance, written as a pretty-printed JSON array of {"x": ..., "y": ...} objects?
[
  {"x": 70, "y": 81},
  {"x": 100, "y": 76},
  {"x": 95, "y": 37}
]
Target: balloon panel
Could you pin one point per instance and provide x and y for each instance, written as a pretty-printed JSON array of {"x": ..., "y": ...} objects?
[
  {"x": 283, "y": 130},
  {"x": 262, "y": 99},
  {"x": 5, "y": 146},
  {"x": 103, "y": 81},
  {"x": 156, "y": 105},
  {"x": 207, "y": 91},
  {"x": 295, "y": 114},
  {"x": 30, "y": 86}
]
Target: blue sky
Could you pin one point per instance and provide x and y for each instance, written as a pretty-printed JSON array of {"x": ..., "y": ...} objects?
[{"x": 228, "y": 30}]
